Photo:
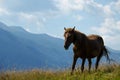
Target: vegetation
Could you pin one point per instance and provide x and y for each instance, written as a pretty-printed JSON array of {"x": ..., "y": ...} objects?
[{"x": 106, "y": 72}]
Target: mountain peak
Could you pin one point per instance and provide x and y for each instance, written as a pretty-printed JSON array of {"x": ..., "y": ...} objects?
[
  {"x": 17, "y": 28},
  {"x": 2, "y": 25}
]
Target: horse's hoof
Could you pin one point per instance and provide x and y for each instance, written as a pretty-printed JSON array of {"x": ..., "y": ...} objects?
[{"x": 71, "y": 73}]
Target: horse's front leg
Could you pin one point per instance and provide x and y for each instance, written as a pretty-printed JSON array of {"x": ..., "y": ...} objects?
[
  {"x": 74, "y": 63},
  {"x": 90, "y": 62},
  {"x": 83, "y": 62}
]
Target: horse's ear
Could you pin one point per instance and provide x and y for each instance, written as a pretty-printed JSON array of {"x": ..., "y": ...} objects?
[
  {"x": 64, "y": 28},
  {"x": 73, "y": 28}
]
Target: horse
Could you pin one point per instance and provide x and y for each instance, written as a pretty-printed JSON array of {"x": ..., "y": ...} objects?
[{"x": 85, "y": 47}]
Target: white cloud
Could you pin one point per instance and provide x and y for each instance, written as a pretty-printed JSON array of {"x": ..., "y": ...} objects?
[
  {"x": 4, "y": 11},
  {"x": 107, "y": 10},
  {"x": 66, "y": 6},
  {"x": 118, "y": 25},
  {"x": 103, "y": 10},
  {"x": 110, "y": 30},
  {"x": 28, "y": 17},
  {"x": 70, "y": 5},
  {"x": 90, "y": 6},
  {"x": 116, "y": 6},
  {"x": 32, "y": 22},
  {"x": 109, "y": 26},
  {"x": 78, "y": 17}
]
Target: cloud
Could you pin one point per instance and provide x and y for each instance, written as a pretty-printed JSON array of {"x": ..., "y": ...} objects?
[
  {"x": 107, "y": 10},
  {"x": 109, "y": 26},
  {"x": 4, "y": 12},
  {"x": 100, "y": 9},
  {"x": 32, "y": 22},
  {"x": 116, "y": 6},
  {"x": 32, "y": 16},
  {"x": 28, "y": 17},
  {"x": 77, "y": 17},
  {"x": 88, "y": 6},
  {"x": 26, "y": 5},
  {"x": 66, "y": 6},
  {"x": 110, "y": 30}
]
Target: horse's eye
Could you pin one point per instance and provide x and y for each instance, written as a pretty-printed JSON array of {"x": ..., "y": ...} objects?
[{"x": 69, "y": 35}]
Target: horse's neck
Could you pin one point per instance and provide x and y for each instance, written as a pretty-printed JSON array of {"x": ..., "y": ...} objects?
[{"x": 79, "y": 39}]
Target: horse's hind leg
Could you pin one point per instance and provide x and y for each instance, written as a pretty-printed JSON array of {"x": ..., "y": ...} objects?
[
  {"x": 82, "y": 66},
  {"x": 90, "y": 62},
  {"x": 74, "y": 63},
  {"x": 98, "y": 60}
]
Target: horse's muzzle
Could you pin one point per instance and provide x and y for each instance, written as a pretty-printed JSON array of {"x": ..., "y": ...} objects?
[{"x": 66, "y": 48}]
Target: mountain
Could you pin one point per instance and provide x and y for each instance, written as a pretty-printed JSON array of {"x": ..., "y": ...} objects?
[
  {"x": 20, "y": 49},
  {"x": 23, "y": 50},
  {"x": 114, "y": 55}
]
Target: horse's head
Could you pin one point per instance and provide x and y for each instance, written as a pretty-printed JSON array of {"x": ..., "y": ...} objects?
[{"x": 69, "y": 37}]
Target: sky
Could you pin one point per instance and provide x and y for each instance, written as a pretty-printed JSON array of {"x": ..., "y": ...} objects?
[{"x": 100, "y": 17}]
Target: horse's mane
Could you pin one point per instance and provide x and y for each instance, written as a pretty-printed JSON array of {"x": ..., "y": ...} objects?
[
  {"x": 80, "y": 34},
  {"x": 91, "y": 36}
]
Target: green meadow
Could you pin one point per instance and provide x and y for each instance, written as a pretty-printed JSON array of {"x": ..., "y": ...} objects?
[{"x": 105, "y": 72}]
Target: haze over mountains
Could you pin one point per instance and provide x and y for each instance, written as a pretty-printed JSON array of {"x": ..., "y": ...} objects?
[{"x": 23, "y": 50}]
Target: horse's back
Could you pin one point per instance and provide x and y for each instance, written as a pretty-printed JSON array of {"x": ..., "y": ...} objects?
[
  {"x": 97, "y": 38},
  {"x": 95, "y": 45},
  {"x": 93, "y": 37}
]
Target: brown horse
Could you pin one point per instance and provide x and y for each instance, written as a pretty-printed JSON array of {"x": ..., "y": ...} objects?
[{"x": 85, "y": 47}]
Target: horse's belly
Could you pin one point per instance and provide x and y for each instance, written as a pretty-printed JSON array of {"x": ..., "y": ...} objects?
[
  {"x": 94, "y": 54},
  {"x": 89, "y": 54},
  {"x": 81, "y": 55}
]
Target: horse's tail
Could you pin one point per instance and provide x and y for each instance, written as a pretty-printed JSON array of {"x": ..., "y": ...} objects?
[{"x": 106, "y": 53}]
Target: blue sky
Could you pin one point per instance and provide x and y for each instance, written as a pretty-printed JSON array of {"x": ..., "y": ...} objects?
[{"x": 51, "y": 16}]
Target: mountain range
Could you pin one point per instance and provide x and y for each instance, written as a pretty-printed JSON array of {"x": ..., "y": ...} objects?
[
  {"x": 20, "y": 49},
  {"x": 23, "y": 50}
]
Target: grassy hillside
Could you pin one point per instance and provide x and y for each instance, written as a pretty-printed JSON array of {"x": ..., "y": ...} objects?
[{"x": 108, "y": 72}]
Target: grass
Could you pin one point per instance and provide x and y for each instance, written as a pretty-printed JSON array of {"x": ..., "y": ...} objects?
[{"x": 106, "y": 72}]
